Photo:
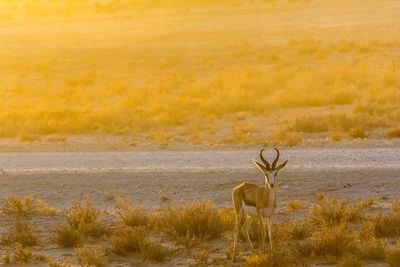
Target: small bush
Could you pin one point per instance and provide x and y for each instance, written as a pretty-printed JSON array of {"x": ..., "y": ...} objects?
[
  {"x": 163, "y": 196},
  {"x": 284, "y": 136},
  {"x": 131, "y": 216},
  {"x": 89, "y": 255},
  {"x": 23, "y": 233},
  {"x": 333, "y": 212},
  {"x": 334, "y": 241},
  {"x": 392, "y": 132},
  {"x": 86, "y": 219},
  {"x": 386, "y": 225},
  {"x": 350, "y": 261},
  {"x": 372, "y": 250},
  {"x": 294, "y": 205},
  {"x": 392, "y": 256},
  {"x": 155, "y": 251},
  {"x": 278, "y": 258},
  {"x": 63, "y": 262},
  {"x": 299, "y": 229},
  {"x": 358, "y": 132},
  {"x": 195, "y": 221},
  {"x": 26, "y": 205},
  {"x": 202, "y": 256},
  {"x": 22, "y": 254},
  {"x": 67, "y": 237},
  {"x": 128, "y": 240}
]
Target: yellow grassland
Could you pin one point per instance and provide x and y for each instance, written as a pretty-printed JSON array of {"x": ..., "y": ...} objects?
[{"x": 151, "y": 67}]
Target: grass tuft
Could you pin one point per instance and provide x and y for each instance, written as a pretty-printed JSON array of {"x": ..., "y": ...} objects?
[
  {"x": 26, "y": 205},
  {"x": 89, "y": 255}
]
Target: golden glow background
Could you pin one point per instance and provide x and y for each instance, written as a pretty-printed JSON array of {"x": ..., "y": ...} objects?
[{"x": 198, "y": 71}]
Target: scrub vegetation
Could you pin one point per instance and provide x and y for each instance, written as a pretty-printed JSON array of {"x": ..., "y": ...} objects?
[
  {"x": 335, "y": 231},
  {"x": 250, "y": 72}
]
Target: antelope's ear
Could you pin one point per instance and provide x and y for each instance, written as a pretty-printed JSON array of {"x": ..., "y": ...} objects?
[
  {"x": 260, "y": 166},
  {"x": 283, "y": 164}
]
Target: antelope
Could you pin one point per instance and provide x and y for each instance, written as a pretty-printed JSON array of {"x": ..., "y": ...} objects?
[{"x": 253, "y": 201}]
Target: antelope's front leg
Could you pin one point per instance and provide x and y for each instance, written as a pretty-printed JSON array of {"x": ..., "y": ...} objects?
[
  {"x": 263, "y": 233},
  {"x": 269, "y": 221}
]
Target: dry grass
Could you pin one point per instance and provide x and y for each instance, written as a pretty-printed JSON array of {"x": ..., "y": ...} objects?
[
  {"x": 83, "y": 220},
  {"x": 372, "y": 250},
  {"x": 89, "y": 255},
  {"x": 386, "y": 225},
  {"x": 26, "y": 205},
  {"x": 334, "y": 241},
  {"x": 333, "y": 212},
  {"x": 23, "y": 233},
  {"x": 392, "y": 132},
  {"x": 350, "y": 261},
  {"x": 294, "y": 205},
  {"x": 131, "y": 216},
  {"x": 128, "y": 240},
  {"x": 393, "y": 256},
  {"x": 22, "y": 254},
  {"x": 278, "y": 258},
  {"x": 196, "y": 221}
]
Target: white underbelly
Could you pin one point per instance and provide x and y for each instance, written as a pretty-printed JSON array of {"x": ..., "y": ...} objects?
[{"x": 252, "y": 211}]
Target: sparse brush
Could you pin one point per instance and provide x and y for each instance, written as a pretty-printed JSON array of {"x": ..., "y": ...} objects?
[
  {"x": 333, "y": 212},
  {"x": 86, "y": 219},
  {"x": 277, "y": 258},
  {"x": 392, "y": 256},
  {"x": 304, "y": 249},
  {"x": 195, "y": 221},
  {"x": 334, "y": 241},
  {"x": 372, "y": 250},
  {"x": 26, "y": 205},
  {"x": 284, "y": 136},
  {"x": 24, "y": 233},
  {"x": 67, "y": 237},
  {"x": 155, "y": 251},
  {"x": 294, "y": 205},
  {"x": 63, "y": 262},
  {"x": 131, "y": 216},
  {"x": 127, "y": 240},
  {"x": 6, "y": 258},
  {"x": 163, "y": 196},
  {"x": 202, "y": 256},
  {"x": 299, "y": 229},
  {"x": 350, "y": 261},
  {"x": 386, "y": 225},
  {"x": 22, "y": 254},
  {"x": 358, "y": 132},
  {"x": 393, "y": 132},
  {"x": 89, "y": 255}
]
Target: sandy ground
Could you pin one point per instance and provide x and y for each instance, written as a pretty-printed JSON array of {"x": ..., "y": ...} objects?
[{"x": 61, "y": 177}]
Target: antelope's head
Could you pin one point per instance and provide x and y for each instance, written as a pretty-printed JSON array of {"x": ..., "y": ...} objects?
[{"x": 270, "y": 171}]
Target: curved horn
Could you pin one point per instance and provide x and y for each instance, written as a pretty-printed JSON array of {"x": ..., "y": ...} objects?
[
  {"x": 264, "y": 161},
  {"x": 276, "y": 159}
]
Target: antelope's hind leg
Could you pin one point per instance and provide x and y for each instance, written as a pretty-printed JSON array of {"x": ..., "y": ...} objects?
[
  {"x": 245, "y": 229},
  {"x": 238, "y": 225}
]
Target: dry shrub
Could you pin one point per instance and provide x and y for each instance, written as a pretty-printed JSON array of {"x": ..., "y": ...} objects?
[
  {"x": 392, "y": 132},
  {"x": 277, "y": 258},
  {"x": 6, "y": 258},
  {"x": 304, "y": 249},
  {"x": 23, "y": 233},
  {"x": 372, "y": 250},
  {"x": 26, "y": 205},
  {"x": 131, "y": 216},
  {"x": 67, "y": 237},
  {"x": 350, "y": 261},
  {"x": 196, "y": 221},
  {"x": 392, "y": 256},
  {"x": 334, "y": 241},
  {"x": 299, "y": 229},
  {"x": 333, "y": 212},
  {"x": 202, "y": 256},
  {"x": 294, "y": 205},
  {"x": 86, "y": 219},
  {"x": 155, "y": 251},
  {"x": 386, "y": 225},
  {"x": 22, "y": 254},
  {"x": 357, "y": 132},
  {"x": 89, "y": 255},
  {"x": 163, "y": 196},
  {"x": 336, "y": 136},
  {"x": 127, "y": 240},
  {"x": 63, "y": 262},
  {"x": 284, "y": 136}
]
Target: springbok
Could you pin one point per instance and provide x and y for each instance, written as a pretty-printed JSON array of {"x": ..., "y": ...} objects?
[{"x": 253, "y": 201}]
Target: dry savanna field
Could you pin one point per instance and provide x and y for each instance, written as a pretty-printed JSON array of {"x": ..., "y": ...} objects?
[{"x": 201, "y": 76}]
